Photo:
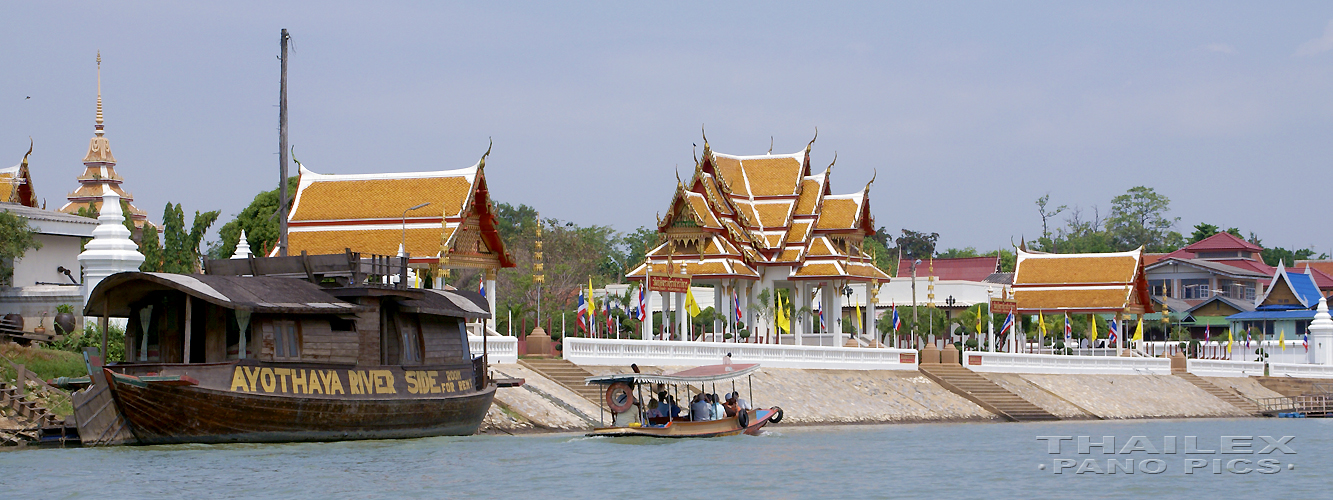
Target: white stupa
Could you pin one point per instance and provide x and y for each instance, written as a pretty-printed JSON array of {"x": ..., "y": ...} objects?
[
  {"x": 242, "y": 248},
  {"x": 111, "y": 250},
  {"x": 1321, "y": 336}
]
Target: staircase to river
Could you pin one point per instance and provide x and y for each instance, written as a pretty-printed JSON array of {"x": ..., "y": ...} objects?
[
  {"x": 566, "y": 374},
  {"x": 1236, "y": 400},
  {"x": 984, "y": 393},
  {"x": 26, "y": 411}
]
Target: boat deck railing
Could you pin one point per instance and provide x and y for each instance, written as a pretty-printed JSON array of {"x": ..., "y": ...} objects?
[{"x": 346, "y": 269}]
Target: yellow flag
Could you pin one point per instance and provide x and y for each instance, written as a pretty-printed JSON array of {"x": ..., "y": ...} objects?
[
  {"x": 1229, "y": 340},
  {"x": 859, "y": 326},
  {"x": 784, "y": 321},
  {"x": 1138, "y": 332},
  {"x": 1092, "y": 329},
  {"x": 1282, "y": 339},
  {"x": 978, "y": 320},
  {"x": 1041, "y": 323},
  {"x": 690, "y": 305}
]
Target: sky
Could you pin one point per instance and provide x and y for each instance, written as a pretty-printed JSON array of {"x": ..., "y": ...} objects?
[{"x": 967, "y": 112}]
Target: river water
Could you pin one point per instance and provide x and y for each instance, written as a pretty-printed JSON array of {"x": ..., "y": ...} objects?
[{"x": 967, "y": 460}]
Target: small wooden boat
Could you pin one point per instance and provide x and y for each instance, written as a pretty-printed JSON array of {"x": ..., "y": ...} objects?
[
  {"x": 230, "y": 358},
  {"x": 631, "y": 418}
]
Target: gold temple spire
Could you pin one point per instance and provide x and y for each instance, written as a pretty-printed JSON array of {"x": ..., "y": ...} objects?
[{"x": 99, "y": 92}]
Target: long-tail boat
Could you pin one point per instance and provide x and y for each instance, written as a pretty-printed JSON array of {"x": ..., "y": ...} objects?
[
  {"x": 625, "y": 393},
  {"x": 301, "y": 348}
]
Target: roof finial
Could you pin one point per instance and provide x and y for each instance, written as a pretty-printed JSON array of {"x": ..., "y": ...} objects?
[
  {"x": 705, "y": 134},
  {"x": 872, "y": 179},
  {"x": 99, "y": 93},
  {"x": 482, "y": 165},
  {"x": 812, "y": 140},
  {"x": 770, "y": 144},
  {"x": 835, "y": 158},
  {"x": 25, "y": 155},
  {"x": 299, "y": 166}
]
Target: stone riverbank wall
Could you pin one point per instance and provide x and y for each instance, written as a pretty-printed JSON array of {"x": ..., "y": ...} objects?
[{"x": 810, "y": 397}]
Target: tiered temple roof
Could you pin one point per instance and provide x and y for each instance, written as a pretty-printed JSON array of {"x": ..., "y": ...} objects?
[
  {"x": 738, "y": 215},
  {"x": 364, "y": 213},
  {"x": 1081, "y": 282},
  {"x": 99, "y": 174}
]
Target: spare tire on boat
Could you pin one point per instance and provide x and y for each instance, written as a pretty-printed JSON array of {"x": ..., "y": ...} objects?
[
  {"x": 743, "y": 418},
  {"x": 620, "y": 397},
  {"x": 777, "y": 415}
]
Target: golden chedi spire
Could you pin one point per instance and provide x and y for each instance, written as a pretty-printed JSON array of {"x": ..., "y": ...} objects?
[{"x": 99, "y": 148}]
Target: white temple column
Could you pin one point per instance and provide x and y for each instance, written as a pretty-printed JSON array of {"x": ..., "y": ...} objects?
[
  {"x": 869, "y": 322},
  {"x": 647, "y": 325},
  {"x": 682, "y": 318},
  {"x": 798, "y": 301},
  {"x": 111, "y": 250},
  {"x": 1321, "y": 336},
  {"x": 835, "y": 323},
  {"x": 746, "y": 313},
  {"x": 718, "y": 313},
  {"x": 491, "y": 294}
]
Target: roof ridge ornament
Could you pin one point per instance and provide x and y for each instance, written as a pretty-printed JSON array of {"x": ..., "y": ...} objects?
[
  {"x": 482, "y": 164},
  {"x": 704, "y": 133},
  {"x": 872, "y": 181},
  {"x": 770, "y": 144},
  {"x": 812, "y": 140}
]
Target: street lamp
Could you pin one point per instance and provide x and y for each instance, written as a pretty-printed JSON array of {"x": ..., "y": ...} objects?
[{"x": 403, "y": 243}]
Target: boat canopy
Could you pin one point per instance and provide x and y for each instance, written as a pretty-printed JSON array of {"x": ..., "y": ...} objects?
[{"x": 697, "y": 375}]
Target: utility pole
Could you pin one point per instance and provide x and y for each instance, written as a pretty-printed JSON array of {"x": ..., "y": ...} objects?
[{"x": 282, "y": 150}]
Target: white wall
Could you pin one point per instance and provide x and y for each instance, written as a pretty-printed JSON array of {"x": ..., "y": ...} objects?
[{"x": 40, "y": 265}]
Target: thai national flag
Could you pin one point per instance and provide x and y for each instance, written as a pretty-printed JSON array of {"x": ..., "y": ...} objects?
[
  {"x": 1008, "y": 323},
  {"x": 1069, "y": 329},
  {"x": 1114, "y": 330},
  {"x": 481, "y": 286},
  {"x": 736, "y": 299},
  {"x": 643, "y": 306},
  {"x": 606, "y": 309},
  {"x": 582, "y": 317},
  {"x": 1305, "y": 341},
  {"x": 897, "y": 322},
  {"x": 820, "y": 312}
]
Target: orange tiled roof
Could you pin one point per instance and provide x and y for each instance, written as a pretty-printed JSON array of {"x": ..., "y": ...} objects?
[
  {"x": 767, "y": 203},
  {"x": 421, "y": 242},
  {"x": 343, "y": 199},
  {"x": 1054, "y": 299},
  {"x": 1077, "y": 268}
]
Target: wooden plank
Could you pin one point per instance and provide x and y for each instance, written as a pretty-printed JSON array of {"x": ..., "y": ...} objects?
[{"x": 189, "y": 328}]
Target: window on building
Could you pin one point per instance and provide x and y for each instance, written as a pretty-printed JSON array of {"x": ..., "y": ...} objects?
[
  {"x": 1194, "y": 289},
  {"x": 1159, "y": 288},
  {"x": 286, "y": 340}
]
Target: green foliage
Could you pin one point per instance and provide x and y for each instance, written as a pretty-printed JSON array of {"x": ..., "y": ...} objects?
[
  {"x": 917, "y": 245},
  {"x": 91, "y": 336},
  {"x": 259, "y": 222},
  {"x": 42, "y": 362},
  {"x": 16, "y": 238},
  {"x": 885, "y": 259},
  {"x": 179, "y": 252},
  {"x": 64, "y": 308},
  {"x": 1138, "y": 218}
]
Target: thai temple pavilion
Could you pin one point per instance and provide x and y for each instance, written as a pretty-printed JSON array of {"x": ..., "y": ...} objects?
[
  {"x": 745, "y": 224},
  {"x": 1082, "y": 283},
  {"x": 373, "y": 214},
  {"x": 99, "y": 173}
]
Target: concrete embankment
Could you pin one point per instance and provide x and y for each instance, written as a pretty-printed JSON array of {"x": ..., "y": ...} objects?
[{"x": 811, "y": 397}]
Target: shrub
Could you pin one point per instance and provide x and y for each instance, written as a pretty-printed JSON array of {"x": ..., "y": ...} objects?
[{"x": 92, "y": 337}]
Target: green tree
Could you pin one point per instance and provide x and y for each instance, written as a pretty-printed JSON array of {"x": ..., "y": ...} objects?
[
  {"x": 917, "y": 245},
  {"x": 16, "y": 238},
  {"x": 1047, "y": 213},
  {"x": 1202, "y": 231},
  {"x": 179, "y": 252},
  {"x": 260, "y": 222},
  {"x": 1139, "y": 218}
]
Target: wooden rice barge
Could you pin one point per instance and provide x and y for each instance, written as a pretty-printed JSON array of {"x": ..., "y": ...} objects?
[{"x": 301, "y": 348}]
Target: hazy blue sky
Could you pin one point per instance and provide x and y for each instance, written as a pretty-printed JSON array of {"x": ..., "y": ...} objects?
[{"x": 969, "y": 111}]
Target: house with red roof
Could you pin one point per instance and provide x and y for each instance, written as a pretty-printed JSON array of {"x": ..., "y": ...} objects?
[{"x": 1219, "y": 265}]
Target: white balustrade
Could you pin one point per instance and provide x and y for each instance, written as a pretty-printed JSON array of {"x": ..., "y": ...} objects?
[
  {"x": 499, "y": 349},
  {"x": 1005, "y": 362},
  {"x": 1300, "y": 370},
  {"x": 586, "y": 351},
  {"x": 1225, "y": 368}
]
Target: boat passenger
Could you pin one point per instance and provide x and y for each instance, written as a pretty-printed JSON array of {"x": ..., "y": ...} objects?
[
  {"x": 654, "y": 409},
  {"x": 699, "y": 409},
  {"x": 730, "y": 407},
  {"x": 718, "y": 410}
]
